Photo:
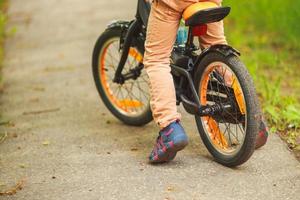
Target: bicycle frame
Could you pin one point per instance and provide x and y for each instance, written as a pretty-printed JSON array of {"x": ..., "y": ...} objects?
[{"x": 137, "y": 29}]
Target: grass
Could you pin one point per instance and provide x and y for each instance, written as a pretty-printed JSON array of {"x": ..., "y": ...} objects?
[
  {"x": 267, "y": 32},
  {"x": 3, "y": 19},
  {"x": 3, "y": 7}
]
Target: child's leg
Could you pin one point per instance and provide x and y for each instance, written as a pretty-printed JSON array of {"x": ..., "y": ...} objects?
[
  {"x": 215, "y": 32},
  {"x": 214, "y": 35},
  {"x": 161, "y": 35}
]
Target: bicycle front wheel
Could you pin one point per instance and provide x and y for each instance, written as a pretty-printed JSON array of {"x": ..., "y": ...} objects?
[{"x": 128, "y": 101}]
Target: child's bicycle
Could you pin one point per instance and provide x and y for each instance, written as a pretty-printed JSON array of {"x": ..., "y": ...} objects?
[{"x": 213, "y": 85}]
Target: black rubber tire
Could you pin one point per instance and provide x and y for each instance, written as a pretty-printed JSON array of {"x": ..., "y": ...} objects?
[
  {"x": 253, "y": 109},
  {"x": 139, "y": 120}
]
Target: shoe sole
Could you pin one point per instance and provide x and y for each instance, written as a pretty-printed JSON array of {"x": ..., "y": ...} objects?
[
  {"x": 261, "y": 141},
  {"x": 262, "y": 136},
  {"x": 171, "y": 152}
]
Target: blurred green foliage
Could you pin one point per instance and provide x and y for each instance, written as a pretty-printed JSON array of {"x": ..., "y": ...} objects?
[
  {"x": 267, "y": 22},
  {"x": 267, "y": 33},
  {"x": 3, "y": 4}
]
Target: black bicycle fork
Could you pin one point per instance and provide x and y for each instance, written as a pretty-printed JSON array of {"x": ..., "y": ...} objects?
[{"x": 132, "y": 30}]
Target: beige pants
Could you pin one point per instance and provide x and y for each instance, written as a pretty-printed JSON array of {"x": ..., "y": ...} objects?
[{"x": 161, "y": 35}]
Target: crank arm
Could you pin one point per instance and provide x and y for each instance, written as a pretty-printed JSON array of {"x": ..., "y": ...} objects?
[
  {"x": 212, "y": 110},
  {"x": 209, "y": 110}
]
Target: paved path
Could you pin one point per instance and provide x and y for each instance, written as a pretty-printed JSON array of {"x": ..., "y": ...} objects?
[{"x": 73, "y": 153}]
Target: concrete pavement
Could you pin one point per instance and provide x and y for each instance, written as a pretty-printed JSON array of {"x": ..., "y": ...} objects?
[{"x": 80, "y": 151}]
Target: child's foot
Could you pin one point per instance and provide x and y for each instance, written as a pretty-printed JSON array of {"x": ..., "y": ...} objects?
[
  {"x": 170, "y": 140},
  {"x": 262, "y": 136}
]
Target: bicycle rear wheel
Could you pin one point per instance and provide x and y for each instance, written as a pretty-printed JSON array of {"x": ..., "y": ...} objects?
[{"x": 230, "y": 135}]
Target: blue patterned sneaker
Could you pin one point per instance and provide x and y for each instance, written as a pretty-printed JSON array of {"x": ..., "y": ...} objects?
[{"x": 170, "y": 140}]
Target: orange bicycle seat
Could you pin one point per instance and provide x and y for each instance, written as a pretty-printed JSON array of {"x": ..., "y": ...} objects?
[{"x": 203, "y": 13}]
